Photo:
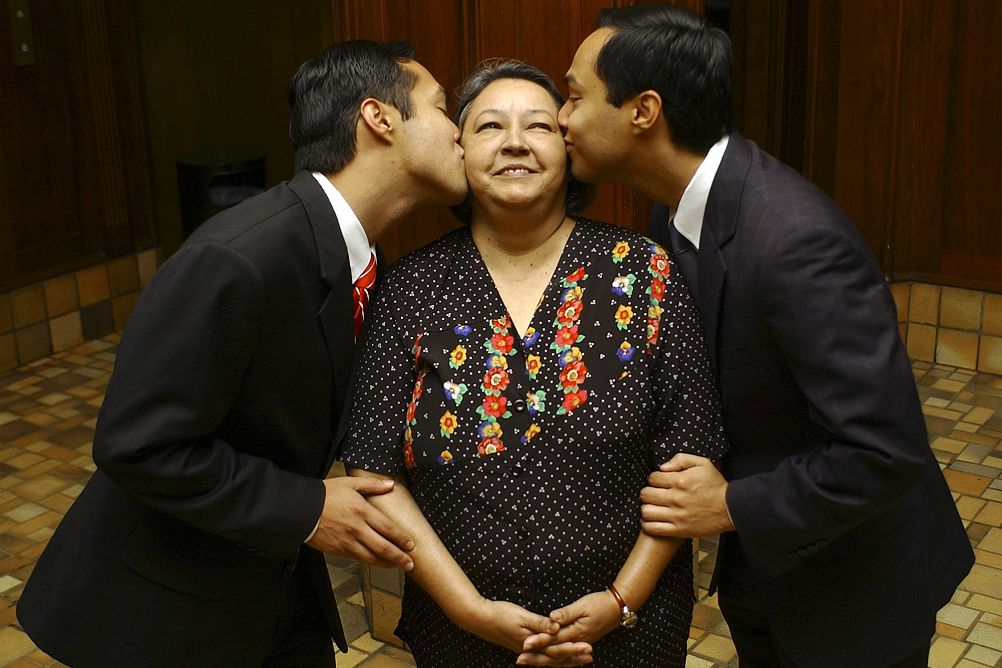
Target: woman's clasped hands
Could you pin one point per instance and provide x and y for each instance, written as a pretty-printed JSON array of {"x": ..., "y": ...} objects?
[{"x": 565, "y": 638}]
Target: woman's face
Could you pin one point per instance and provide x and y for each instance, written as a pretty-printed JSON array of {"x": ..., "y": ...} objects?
[{"x": 515, "y": 152}]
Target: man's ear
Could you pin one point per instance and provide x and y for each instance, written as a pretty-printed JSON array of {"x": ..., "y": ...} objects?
[
  {"x": 375, "y": 116},
  {"x": 646, "y": 110}
]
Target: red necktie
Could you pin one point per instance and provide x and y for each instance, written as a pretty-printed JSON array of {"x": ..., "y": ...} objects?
[{"x": 360, "y": 292}]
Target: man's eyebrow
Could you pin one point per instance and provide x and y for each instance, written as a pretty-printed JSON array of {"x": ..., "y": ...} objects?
[{"x": 569, "y": 78}]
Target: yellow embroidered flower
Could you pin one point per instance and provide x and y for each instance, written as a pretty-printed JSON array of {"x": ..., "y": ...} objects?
[
  {"x": 620, "y": 251},
  {"x": 490, "y": 430},
  {"x": 654, "y": 311},
  {"x": 531, "y": 432},
  {"x": 458, "y": 357},
  {"x": 624, "y": 314},
  {"x": 532, "y": 365},
  {"x": 448, "y": 424}
]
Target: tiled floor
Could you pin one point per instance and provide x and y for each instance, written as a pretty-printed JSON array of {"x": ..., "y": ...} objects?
[{"x": 47, "y": 415}]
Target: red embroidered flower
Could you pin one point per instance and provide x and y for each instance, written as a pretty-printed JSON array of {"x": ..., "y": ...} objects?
[
  {"x": 502, "y": 343},
  {"x": 567, "y": 335},
  {"x": 569, "y": 311},
  {"x": 495, "y": 406},
  {"x": 490, "y": 446},
  {"x": 657, "y": 289},
  {"x": 496, "y": 379},
  {"x": 576, "y": 276},
  {"x": 573, "y": 374},
  {"x": 659, "y": 264},
  {"x": 653, "y": 329},
  {"x": 411, "y": 408},
  {"x": 408, "y": 456},
  {"x": 501, "y": 323},
  {"x": 574, "y": 399}
]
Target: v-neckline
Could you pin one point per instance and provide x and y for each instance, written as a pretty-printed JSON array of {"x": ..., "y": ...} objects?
[{"x": 558, "y": 270}]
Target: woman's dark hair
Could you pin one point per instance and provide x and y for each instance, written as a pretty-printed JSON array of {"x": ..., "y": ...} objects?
[
  {"x": 325, "y": 94},
  {"x": 679, "y": 55},
  {"x": 579, "y": 194}
]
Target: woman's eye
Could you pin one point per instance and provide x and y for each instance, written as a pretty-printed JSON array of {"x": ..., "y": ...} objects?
[{"x": 490, "y": 125}]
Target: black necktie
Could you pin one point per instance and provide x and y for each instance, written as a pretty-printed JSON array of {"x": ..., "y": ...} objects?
[{"x": 685, "y": 256}]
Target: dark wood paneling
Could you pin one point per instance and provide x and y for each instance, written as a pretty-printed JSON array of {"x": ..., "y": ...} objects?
[
  {"x": 972, "y": 208},
  {"x": 924, "y": 110},
  {"x": 867, "y": 116},
  {"x": 74, "y": 173}
]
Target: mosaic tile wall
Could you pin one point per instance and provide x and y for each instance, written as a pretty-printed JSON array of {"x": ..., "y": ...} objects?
[
  {"x": 62, "y": 312},
  {"x": 961, "y": 328}
]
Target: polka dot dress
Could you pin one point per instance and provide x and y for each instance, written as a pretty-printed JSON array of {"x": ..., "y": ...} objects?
[{"x": 527, "y": 451}]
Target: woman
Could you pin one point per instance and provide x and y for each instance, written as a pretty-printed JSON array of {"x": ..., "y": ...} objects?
[{"x": 520, "y": 378}]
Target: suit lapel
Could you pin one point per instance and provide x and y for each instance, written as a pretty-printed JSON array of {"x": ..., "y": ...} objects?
[
  {"x": 720, "y": 220},
  {"x": 335, "y": 312}
]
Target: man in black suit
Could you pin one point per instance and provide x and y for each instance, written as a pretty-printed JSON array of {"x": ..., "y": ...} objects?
[
  {"x": 199, "y": 540},
  {"x": 840, "y": 539}
]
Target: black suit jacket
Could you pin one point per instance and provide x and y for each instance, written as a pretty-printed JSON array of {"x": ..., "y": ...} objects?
[
  {"x": 211, "y": 445},
  {"x": 845, "y": 526}
]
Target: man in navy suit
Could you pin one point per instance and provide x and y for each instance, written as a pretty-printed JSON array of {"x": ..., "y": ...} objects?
[
  {"x": 200, "y": 539},
  {"x": 840, "y": 539}
]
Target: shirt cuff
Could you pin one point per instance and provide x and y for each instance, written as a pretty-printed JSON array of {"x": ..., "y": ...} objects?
[{"x": 312, "y": 533}]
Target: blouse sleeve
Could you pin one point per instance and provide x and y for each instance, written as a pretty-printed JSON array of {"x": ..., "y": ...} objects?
[
  {"x": 688, "y": 417},
  {"x": 384, "y": 381}
]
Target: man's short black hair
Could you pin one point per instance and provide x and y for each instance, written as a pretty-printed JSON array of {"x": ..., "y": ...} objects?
[
  {"x": 676, "y": 53},
  {"x": 325, "y": 94}
]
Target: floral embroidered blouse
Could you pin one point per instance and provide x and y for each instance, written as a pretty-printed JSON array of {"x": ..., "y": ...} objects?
[{"x": 527, "y": 452}]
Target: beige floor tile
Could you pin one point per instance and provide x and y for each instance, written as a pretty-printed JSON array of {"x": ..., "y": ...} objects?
[
  {"x": 985, "y": 603},
  {"x": 958, "y": 616},
  {"x": 945, "y": 652},
  {"x": 983, "y": 655},
  {"x": 991, "y": 514},
  {"x": 987, "y": 635},
  {"x": 352, "y": 658},
  {"x": 716, "y": 647},
  {"x": 992, "y": 541},
  {"x": 367, "y": 643},
  {"x": 13, "y": 645}
]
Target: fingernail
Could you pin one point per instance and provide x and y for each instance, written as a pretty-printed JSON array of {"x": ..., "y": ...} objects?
[
  {"x": 387, "y": 483},
  {"x": 409, "y": 545}
]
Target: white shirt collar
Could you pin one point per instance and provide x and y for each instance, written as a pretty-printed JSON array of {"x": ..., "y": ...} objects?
[
  {"x": 355, "y": 239},
  {"x": 689, "y": 215}
]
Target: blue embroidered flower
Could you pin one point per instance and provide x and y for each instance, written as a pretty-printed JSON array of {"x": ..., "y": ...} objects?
[
  {"x": 462, "y": 330},
  {"x": 530, "y": 338},
  {"x": 625, "y": 351}
]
